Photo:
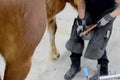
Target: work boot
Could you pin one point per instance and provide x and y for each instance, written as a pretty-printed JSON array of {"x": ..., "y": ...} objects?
[
  {"x": 103, "y": 62},
  {"x": 71, "y": 73},
  {"x": 102, "y": 67},
  {"x": 75, "y": 66},
  {"x": 104, "y": 70},
  {"x": 101, "y": 71}
]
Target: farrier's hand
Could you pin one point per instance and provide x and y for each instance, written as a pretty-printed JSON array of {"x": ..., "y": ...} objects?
[
  {"x": 104, "y": 20},
  {"x": 116, "y": 12},
  {"x": 118, "y": 1},
  {"x": 81, "y": 26}
]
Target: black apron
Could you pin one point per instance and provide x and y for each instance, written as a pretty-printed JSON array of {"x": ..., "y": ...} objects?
[{"x": 97, "y": 44}]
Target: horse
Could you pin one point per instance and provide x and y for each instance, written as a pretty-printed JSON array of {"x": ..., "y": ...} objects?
[
  {"x": 53, "y": 8},
  {"x": 22, "y": 25}
]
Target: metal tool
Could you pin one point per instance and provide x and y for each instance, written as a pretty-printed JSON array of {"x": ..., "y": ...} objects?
[
  {"x": 110, "y": 77},
  {"x": 107, "y": 77}
]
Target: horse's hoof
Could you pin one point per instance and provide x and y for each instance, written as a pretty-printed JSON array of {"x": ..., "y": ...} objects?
[
  {"x": 54, "y": 57},
  {"x": 58, "y": 56}
]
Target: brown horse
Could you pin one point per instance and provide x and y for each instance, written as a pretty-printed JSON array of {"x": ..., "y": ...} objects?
[
  {"x": 54, "y": 7},
  {"x": 22, "y": 24}
]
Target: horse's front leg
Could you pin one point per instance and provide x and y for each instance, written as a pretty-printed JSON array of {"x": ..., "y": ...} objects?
[
  {"x": 52, "y": 27},
  {"x": 16, "y": 71}
]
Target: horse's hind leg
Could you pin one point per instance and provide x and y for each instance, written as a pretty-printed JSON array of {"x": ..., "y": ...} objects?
[{"x": 52, "y": 27}]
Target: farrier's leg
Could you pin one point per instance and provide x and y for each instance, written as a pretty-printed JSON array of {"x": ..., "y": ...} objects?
[
  {"x": 102, "y": 67},
  {"x": 76, "y": 45},
  {"x": 103, "y": 62},
  {"x": 52, "y": 28},
  {"x": 75, "y": 66},
  {"x": 96, "y": 49},
  {"x": 97, "y": 45}
]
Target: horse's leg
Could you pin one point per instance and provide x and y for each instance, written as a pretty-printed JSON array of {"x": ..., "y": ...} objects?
[
  {"x": 53, "y": 7},
  {"x": 17, "y": 66},
  {"x": 17, "y": 71},
  {"x": 18, "y": 57},
  {"x": 52, "y": 27}
]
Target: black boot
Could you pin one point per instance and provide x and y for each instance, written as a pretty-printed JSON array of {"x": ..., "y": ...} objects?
[
  {"x": 102, "y": 68},
  {"x": 75, "y": 66},
  {"x": 103, "y": 62},
  {"x": 101, "y": 71},
  {"x": 71, "y": 73}
]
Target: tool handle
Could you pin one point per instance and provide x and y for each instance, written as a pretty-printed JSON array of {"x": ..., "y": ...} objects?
[{"x": 89, "y": 29}]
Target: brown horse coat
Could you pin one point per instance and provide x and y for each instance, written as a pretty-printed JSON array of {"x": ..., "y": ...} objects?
[
  {"x": 22, "y": 24},
  {"x": 53, "y": 8}
]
